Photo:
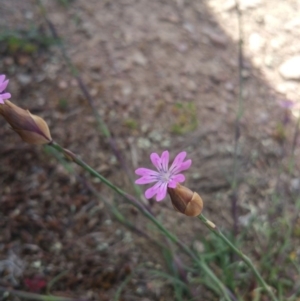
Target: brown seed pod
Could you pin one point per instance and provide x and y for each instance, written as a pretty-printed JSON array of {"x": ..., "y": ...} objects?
[
  {"x": 31, "y": 128},
  {"x": 185, "y": 200}
]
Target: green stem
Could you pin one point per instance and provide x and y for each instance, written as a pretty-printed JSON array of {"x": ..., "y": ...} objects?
[
  {"x": 147, "y": 214},
  {"x": 212, "y": 227},
  {"x": 32, "y": 296}
]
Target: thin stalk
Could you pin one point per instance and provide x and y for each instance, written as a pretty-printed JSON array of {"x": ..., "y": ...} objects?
[
  {"x": 147, "y": 214},
  {"x": 239, "y": 115},
  {"x": 212, "y": 227},
  {"x": 85, "y": 91},
  {"x": 32, "y": 296},
  {"x": 114, "y": 210},
  {"x": 296, "y": 134}
]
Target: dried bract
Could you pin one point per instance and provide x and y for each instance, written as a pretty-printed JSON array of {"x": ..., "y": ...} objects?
[
  {"x": 185, "y": 200},
  {"x": 31, "y": 128}
]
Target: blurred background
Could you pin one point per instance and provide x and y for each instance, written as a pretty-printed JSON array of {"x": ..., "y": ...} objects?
[{"x": 161, "y": 75}]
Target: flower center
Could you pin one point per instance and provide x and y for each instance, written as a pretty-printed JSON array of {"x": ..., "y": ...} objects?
[{"x": 164, "y": 176}]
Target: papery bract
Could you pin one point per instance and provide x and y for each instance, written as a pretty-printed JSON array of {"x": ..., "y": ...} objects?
[
  {"x": 164, "y": 176},
  {"x": 31, "y": 128}
]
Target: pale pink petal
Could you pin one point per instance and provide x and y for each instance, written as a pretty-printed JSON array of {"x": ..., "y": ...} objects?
[
  {"x": 165, "y": 160},
  {"x": 152, "y": 191},
  {"x": 146, "y": 172},
  {"x": 146, "y": 180},
  {"x": 1, "y": 100},
  {"x": 176, "y": 179},
  {"x": 178, "y": 160},
  {"x": 184, "y": 166},
  {"x": 5, "y": 95},
  {"x": 156, "y": 161},
  {"x": 161, "y": 193},
  {"x": 2, "y": 78},
  {"x": 172, "y": 184},
  {"x": 3, "y": 85}
]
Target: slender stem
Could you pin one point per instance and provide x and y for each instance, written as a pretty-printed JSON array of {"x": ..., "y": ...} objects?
[
  {"x": 85, "y": 91},
  {"x": 239, "y": 115},
  {"x": 32, "y": 296},
  {"x": 147, "y": 214},
  {"x": 212, "y": 227}
]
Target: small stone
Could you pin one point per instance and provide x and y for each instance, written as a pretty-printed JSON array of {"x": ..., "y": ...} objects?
[
  {"x": 139, "y": 59},
  {"x": 295, "y": 184},
  {"x": 57, "y": 247},
  {"x": 191, "y": 85},
  {"x": 269, "y": 61},
  {"x": 29, "y": 15},
  {"x": 189, "y": 27},
  {"x": 118, "y": 232},
  {"x": 127, "y": 90},
  {"x": 290, "y": 69},
  {"x": 245, "y": 73},
  {"x": 145, "y": 128},
  {"x": 37, "y": 264},
  {"x": 127, "y": 237},
  {"x": 140, "y": 291},
  {"x": 165, "y": 143},
  {"x": 108, "y": 222},
  {"x": 256, "y": 42},
  {"x": 286, "y": 87},
  {"x": 24, "y": 79},
  {"x": 198, "y": 246},
  {"x": 278, "y": 42},
  {"x": 196, "y": 175},
  {"x": 62, "y": 85},
  {"x": 155, "y": 136},
  {"x": 103, "y": 246},
  {"x": 229, "y": 86},
  {"x": 292, "y": 24},
  {"x": 182, "y": 47},
  {"x": 113, "y": 160},
  {"x": 143, "y": 143}
]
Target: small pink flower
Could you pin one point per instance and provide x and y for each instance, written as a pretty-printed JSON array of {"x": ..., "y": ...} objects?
[
  {"x": 287, "y": 104},
  {"x": 3, "y": 84},
  {"x": 165, "y": 176},
  {"x": 35, "y": 284}
]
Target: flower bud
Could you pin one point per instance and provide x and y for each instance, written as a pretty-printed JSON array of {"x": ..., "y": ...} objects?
[
  {"x": 31, "y": 128},
  {"x": 186, "y": 201}
]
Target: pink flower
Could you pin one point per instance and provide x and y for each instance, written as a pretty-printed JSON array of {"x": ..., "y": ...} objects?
[
  {"x": 3, "y": 85},
  {"x": 35, "y": 284},
  {"x": 165, "y": 176},
  {"x": 287, "y": 104}
]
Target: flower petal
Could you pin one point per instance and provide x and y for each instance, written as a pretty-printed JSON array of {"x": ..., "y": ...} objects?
[
  {"x": 156, "y": 161},
  {"x": 145, "y": 172},
  {"x": 2, "y": 78},
  {"x": 1, "y": 100},
  {"x": 176, "y": 179},
  {"x": 178, "y": 160},
  {"x": 5, "y": 96},
  {"x": 172, "y": 184},
  {"x": 161, "y": 193},
  {"x": 152, "y": 191},
  {"x": 146, "y": 180},
  {"x": 3, "y": 85},
  {"x": 165, "y": 160},
  {"x": 184, "y": 166}
]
